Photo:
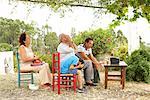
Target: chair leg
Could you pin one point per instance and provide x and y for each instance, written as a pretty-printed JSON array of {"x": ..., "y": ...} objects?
[
  {"x": 74, "y": 83},
  {"x": 19, "y": 80},
  {"x": 66, "y": 83},
  {"x": 58, "y": 85},
  {"x": 32, "y": 79},
  {"x": 53, "y": 84}
]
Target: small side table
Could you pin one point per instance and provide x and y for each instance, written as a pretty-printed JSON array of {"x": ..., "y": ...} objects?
[{"x": 121, "y": 65}]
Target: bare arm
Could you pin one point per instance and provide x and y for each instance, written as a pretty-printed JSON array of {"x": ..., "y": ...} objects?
[
  {"x": 78, "y": 66},
  {"x": 94, "y": 60},
  {"x": 84, "y": 56}
]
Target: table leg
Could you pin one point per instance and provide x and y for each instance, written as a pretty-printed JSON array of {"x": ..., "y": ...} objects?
[
  {"x": 106, "y": 77},
  {"x": 123, "y": 77}
]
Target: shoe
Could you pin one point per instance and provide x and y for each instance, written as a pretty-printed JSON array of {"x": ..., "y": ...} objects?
[
  {"x": 90, "y": 84},
  {"x": 85, "y": 89},
  {"x": 80, "y": 90}
]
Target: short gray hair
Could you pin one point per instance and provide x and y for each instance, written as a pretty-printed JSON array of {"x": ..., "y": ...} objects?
[{"x": 61, "y": 36}]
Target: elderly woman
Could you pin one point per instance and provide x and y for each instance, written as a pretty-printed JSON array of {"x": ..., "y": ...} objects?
[
  {"x": 69, "y": 62},
  {"x": 66, "y": 47},
  {"x": 26, "y": 60}
]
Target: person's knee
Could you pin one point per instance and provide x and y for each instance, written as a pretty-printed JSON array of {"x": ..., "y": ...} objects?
[
  {"x": 88, "y": 62},
  {"x": 79, "y": 72}
]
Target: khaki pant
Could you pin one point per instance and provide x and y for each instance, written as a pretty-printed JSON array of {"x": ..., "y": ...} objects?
[
  {"x": 88, "y": 70},
  {"x": 44, "y": 72}
]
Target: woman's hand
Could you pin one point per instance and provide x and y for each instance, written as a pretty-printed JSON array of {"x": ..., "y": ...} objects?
[{"x": 35, "y": 57}]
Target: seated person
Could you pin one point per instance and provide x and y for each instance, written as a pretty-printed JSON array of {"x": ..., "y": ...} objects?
[
  {"x": 26, "y": 60},
  {"x": 85, "y": 53},
  {"x": 69, "y": 62},
  {"x": 66, "y": 48},
  {"x": 70, "y": 66}
]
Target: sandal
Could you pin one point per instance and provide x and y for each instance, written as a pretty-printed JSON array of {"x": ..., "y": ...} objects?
[
  {"x": 90, "y": 84},
  {"x": 45, "y": 86}
]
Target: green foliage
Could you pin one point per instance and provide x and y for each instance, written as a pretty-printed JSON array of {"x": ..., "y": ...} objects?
[
  {"x": 15, "y": 63},
  {"x": 51, "y": 41},
  {"x": 122, "y": 52},
  {"x": 48, "y": 59},
  {"x": 139, "y": 66},
  {"x": 103, "y": 40},
  {"x": 121, "y": 49},
  {"x": 5, "y": 47},
  {"x": 117, "y": 7},
  {"x": 120, "y": 8},
  {"x": 11, "y": 29}
]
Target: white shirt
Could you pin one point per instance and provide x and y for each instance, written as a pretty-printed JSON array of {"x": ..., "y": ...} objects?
[
  {"x": 65, "y": 51},
  {"x": 82, "y": 49}
]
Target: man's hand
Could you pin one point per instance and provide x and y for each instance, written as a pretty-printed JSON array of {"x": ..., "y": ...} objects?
[
  {"x": 98, "y": 65},
  {"x": 80, "y": 65}
]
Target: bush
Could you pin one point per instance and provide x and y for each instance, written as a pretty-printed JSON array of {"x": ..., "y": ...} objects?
[
  {"x": 15, "y": 63},
  {"x": 122, "y": 52},
  {"x": 5, "y": 47},
  {"x": 102, "y": 40},
  {"x": 139, "y": 66}
]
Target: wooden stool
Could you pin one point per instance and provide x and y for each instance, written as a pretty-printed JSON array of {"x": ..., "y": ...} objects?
[{"x": 122, "y": 76}]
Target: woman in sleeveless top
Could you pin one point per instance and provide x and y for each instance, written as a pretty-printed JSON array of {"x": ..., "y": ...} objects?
[{"x": 26, "y": 59}]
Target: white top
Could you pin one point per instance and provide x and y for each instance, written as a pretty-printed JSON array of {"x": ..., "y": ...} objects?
[
  {"x": 82, "y": 49},
  {"x": 65, "y": 51}
]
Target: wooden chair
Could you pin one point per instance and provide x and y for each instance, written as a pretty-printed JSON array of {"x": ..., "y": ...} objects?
[
  {"x": 61, "y": 80},
  {"x": 24, "y": 77}
]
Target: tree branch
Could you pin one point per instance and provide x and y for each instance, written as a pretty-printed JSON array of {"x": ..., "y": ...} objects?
[
  {"x": 81, "y": 5},
  {"x": 66, "y": 4}
]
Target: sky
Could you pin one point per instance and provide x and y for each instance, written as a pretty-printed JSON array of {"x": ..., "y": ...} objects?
[{"x": 81, "y": 19}]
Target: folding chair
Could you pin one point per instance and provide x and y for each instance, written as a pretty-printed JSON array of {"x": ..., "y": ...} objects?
[
  {"x": 61, "y": 80},
  {"x": 23, "y": 77}
]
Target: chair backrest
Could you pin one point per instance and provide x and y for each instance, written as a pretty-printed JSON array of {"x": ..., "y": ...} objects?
[
  {"x": 18, "y": 61},
  {"x": 56, "y": 63}
]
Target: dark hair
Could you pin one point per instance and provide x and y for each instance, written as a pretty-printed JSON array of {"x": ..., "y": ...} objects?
[
  {"x": 22, "y": 38},
  {"x": 88, "y": 39},
  {"x": 80, "y": 59}
]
